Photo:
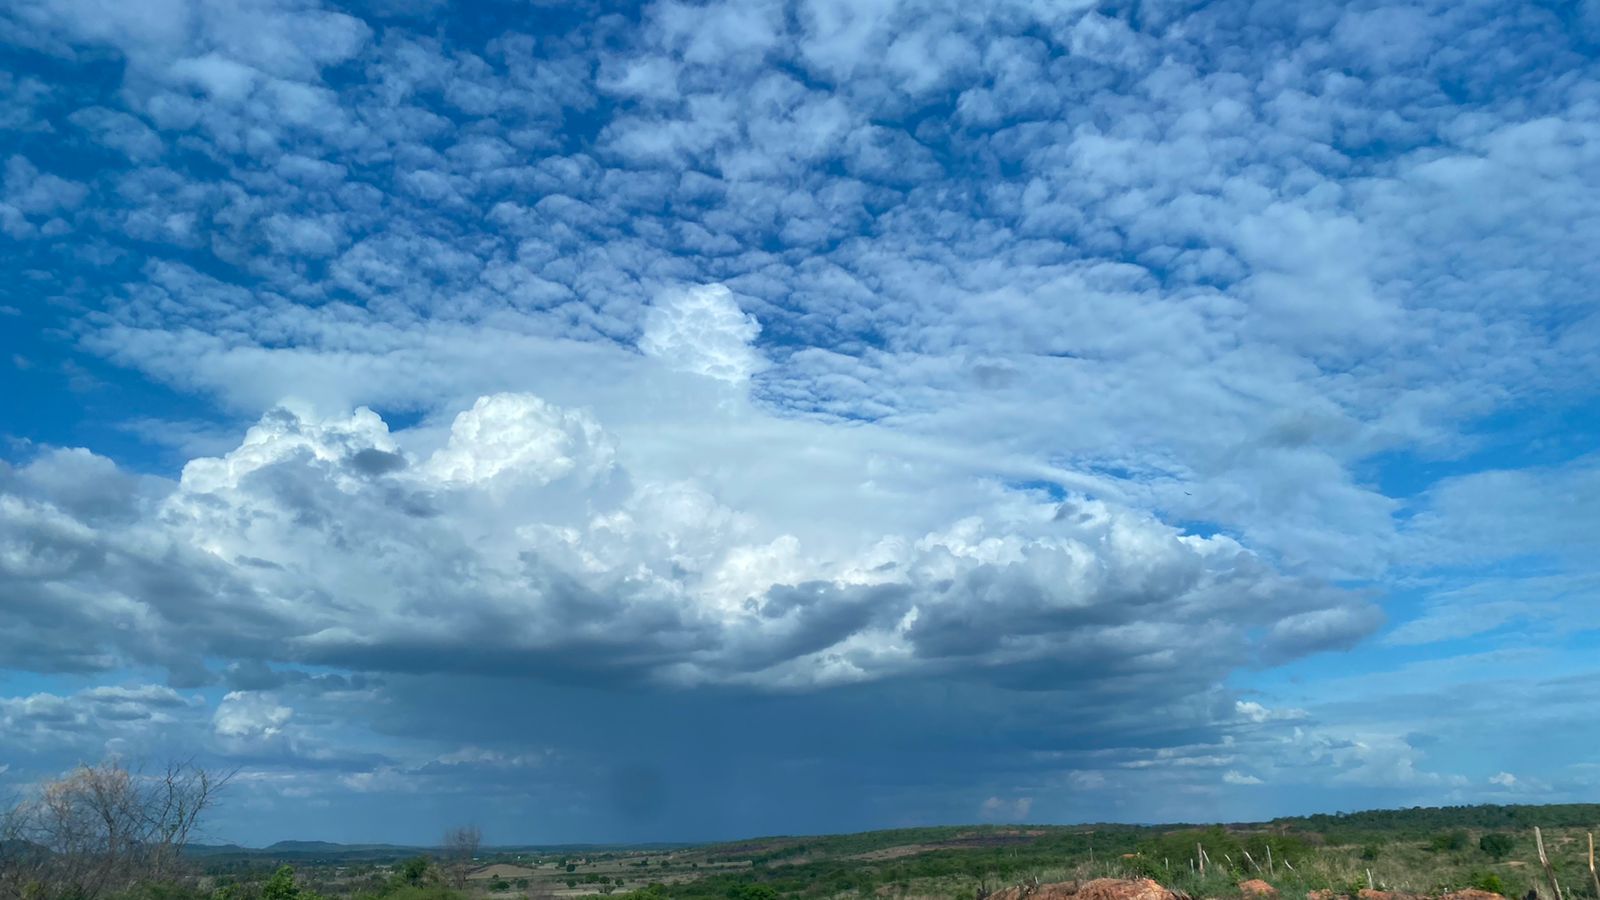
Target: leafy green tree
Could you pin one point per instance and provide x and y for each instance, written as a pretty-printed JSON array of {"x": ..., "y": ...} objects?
[
  {"x": 752, "y": 892},
  {"x": 281, "y": 885},
  {"x": 1450, "y": 840},
  {"x": 414, "y": 870}
]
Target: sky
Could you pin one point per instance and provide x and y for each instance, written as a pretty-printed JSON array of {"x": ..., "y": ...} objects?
[{"x": 688, "y": 421}]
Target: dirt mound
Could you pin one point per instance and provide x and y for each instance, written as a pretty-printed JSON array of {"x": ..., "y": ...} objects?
[
  {"x": 1099, "y": 889},
  {"x": 1118, "y": 889},
  {"x": 1472, "y": 894},
  {"x": 1321, "y": 895},
  {"x": 1256, "y": 888}
]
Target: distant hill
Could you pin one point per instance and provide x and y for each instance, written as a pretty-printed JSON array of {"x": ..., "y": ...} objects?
[
  {"x": 330, "y": 851},
  {"x": 1375, "y": 823},
  {"x": 330, "y": 847},
  {"x": 1419, "y": 819},
  {"x": 302, "y": 852}
]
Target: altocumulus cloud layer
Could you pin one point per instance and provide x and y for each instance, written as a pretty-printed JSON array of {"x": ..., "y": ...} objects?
[{"x": 694, "y": 420}]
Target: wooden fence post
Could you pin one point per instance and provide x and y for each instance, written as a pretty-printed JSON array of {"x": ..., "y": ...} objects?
[{"x": 1538, "y": 841}]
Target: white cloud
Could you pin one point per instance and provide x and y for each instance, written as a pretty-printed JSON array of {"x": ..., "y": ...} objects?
[
  {"x": 136, "y": 717},
  {"x": 524, "y": 437},
  {"x": 1240, "y": 778},
  {"x": 1013, "y": 810},
  {"x": 339, "y": 542},
  {"x": 250, "y": 716},
  {"x": 1503, "y": 779}
]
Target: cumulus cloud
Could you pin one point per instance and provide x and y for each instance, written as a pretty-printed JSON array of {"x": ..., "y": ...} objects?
[
  {"x": 250, "y": 716},
  {"x": 702, "y": 330},
  {"x": 94, "y": 719},
  {"x": 524, "y": 437},
  {"x": 1014, "y": 810},
  {"x": 331, "y": 542}
]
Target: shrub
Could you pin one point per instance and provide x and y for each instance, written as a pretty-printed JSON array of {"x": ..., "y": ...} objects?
[
  {"x": 1497, "y": 845},
  {"x": 1450, "y": 840},
  {"x": 1488, "y": 881},
  {"x": 421, "y": 892}
]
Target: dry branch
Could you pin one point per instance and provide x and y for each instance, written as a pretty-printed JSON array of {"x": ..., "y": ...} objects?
[{"x": 103, "y": 829}]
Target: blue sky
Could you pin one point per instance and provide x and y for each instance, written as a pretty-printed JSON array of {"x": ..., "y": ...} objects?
[{"x": 688, "y": 421}]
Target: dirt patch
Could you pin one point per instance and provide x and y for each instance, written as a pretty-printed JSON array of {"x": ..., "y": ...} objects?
[
  {"x": 1099, "y": 889},
  {"x": 1256, "y": 889},
  {"x": 501, "y": 870}
]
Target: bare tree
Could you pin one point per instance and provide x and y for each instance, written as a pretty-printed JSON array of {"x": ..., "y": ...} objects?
[
  {"x": 460, "y": 847},
  {"x": 102, "y": 828}
]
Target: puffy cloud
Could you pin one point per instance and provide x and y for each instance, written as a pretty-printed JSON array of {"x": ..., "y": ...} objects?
[
  {"x": 332, "y": 541},
  {"x": 97, "y": 719},
  {"x": 250, "y": 716},
  {"x": 996, "y": 809},
  {"x": 523, "y": 437}
]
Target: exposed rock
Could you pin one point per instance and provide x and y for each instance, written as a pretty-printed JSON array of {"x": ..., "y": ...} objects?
[{"x": 1256, "y": 888}]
